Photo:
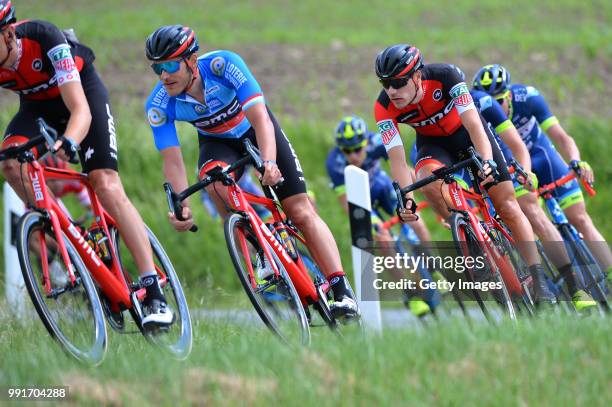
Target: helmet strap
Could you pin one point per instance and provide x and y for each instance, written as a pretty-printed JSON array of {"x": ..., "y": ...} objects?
[
  {"x": 416, "y": 90},
  {"x": 194, "y": 75}
]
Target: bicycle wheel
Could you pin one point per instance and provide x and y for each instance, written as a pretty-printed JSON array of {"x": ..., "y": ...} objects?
[
  {"x": 177, "y": 338},
  {"x": 71, "y": 313},
  {"x": 555, "y": 280},
  {"x": 594, "y": 280},
  {"x": 477, "y": 278},
  {"x": 518, "y": 273},
  {"x": 274, "y": 298}
]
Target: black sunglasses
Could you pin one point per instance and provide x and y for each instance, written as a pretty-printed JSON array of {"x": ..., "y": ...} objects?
[
  {"x": 395, "y": 83},
  {"x": 351, "y": 150}
]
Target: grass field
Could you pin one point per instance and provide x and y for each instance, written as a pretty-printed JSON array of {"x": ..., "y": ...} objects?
[
  {"x": 314, "y": 60},
  {"x": 544, "y": 362}
]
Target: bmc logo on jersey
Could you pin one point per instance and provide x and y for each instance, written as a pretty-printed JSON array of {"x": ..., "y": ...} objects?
[
  {"x": 220, "y": 117},
  {"x": 436, "y": 117},
  {"x": 387, "y": 131}
]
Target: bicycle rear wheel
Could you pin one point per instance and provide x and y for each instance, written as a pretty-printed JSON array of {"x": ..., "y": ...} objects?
[
  {"x": 477, "y": 277},
  {"x": 594, "y": 279},
  {"x": 274, "y": 298},
  {"x": 518, "y": 273},
  {"x": 71, "y": 313},
  {"x": 177, "y": 338}
]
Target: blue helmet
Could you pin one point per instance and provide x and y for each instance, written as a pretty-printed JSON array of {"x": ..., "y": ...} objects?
[
  {"x": 351, "y": 132},
  {"x": 492, "y": 79}
]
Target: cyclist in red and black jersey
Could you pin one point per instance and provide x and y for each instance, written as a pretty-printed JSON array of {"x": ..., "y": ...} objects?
[
  {"x": 56, "y": 80},
  {"x": 436, "y": 102}
]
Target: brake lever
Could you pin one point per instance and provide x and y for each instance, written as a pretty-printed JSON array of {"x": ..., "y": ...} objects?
[
  {"x": 257, "y": 161},
  {"x": 175, "y": 206},
  {"x": 44, "y": 131}
]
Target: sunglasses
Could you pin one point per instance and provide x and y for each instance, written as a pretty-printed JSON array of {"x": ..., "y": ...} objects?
[
  {"x": 395, "y": 83},
  {"x": 348, "y": 151},
  {"x": 168, "y": 66},
  {"x": 500, "y": 98}
]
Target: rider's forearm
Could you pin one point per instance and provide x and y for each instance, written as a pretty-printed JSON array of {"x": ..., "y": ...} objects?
[
  {"x": 264, "y": 130},
  {"x": 175, "y": 174},
  {"x": 471, "y": 121},
  {"x": 565, "y": 144},
  {"x": 264, "y": 133},
  {"x": 519, "y": 150},
  {"x": 400, "y": 171},
  {"x": 80, "y": 115}
]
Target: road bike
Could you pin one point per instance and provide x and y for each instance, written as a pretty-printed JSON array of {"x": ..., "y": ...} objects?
[
  {"x": 265, "y": 255},
  {"x": 76, "y": 274}
]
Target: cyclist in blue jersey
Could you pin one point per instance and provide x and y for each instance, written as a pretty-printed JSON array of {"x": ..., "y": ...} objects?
[
  {"x": 355, "y": 145},
  {"x": 530, "y": 114},
  {"x": 511, "y": 145},
  {"x": 219, "y": 96}
]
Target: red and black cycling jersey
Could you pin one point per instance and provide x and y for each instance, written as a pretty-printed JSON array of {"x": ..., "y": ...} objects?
[
  {"x": 445, "y": 97},
  {"x": 46, "y": 60}
]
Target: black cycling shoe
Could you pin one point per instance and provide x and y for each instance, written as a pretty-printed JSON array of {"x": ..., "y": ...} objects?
[{"x": 541, "y": 292}]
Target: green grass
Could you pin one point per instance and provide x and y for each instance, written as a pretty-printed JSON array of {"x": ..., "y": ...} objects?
[{"x": 541, "y": 362}]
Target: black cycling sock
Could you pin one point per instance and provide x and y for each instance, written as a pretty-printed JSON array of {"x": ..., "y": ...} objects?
[
  {"x": 338, "y": 285},
  {"x": 569, "y": 277},
  {"x": 151, "y": 284}
]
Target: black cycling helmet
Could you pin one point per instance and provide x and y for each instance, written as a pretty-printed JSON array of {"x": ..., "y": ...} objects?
[
  {"x": 7, "y": 13},
  {"x": 401, "y": 60},
  {"x": 493, "y": 79},
  {"x": 171, "y": 41}
]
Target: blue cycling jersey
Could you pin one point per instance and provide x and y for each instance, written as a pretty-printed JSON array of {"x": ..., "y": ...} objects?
[
  {"x": 529, "y": 113},
  {"x": 229, "y": 90}
]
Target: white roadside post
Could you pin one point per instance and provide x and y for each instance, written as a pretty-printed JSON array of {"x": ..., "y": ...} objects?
[
  {"x": 14, "y": 285},
  {"x": 359, "y": 206}
]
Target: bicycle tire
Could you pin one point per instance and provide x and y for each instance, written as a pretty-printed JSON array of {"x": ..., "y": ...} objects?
[
  {"x": 281, "y": 284},
  {"x": 178, "y": 338},
  {"x": 93, "y": 349},
  {"x": 519, "y": 273},
  {"x": 585, "y": 262},
  {"x": 554, "y": 276},
  {"x": 463, "y": 233}
]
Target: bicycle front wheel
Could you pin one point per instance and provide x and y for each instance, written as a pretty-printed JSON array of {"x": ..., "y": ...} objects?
[
  {"x": 274, "y": 297},
  {"x": 487, "y": 274},
  {"x": 72, "y": 313},
  {"x": 177, "y": 338}
]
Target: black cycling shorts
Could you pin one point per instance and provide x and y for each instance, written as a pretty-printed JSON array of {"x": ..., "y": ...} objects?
[
  {"x": 450, "y": 150},
  {"x": 231, "y": 150},
  {"x": 99, "y": 148}
]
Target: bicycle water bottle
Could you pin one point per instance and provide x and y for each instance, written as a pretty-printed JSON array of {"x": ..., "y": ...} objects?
[
  {"x": 287, "y": 240},
  {"x": 99, "y": 242}
]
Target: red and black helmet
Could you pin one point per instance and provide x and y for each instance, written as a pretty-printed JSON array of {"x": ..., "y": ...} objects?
[
  {"x": 398, "y": 61},
  {"x": 7, "y": 13},
  {"x": 171, "y": 41}
]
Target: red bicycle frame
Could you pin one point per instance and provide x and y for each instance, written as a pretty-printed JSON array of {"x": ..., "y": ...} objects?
[
  {"x": 460, "y": 199},
  {"x": 111, "y": 281},
  {"x": 241, "y": 201}
]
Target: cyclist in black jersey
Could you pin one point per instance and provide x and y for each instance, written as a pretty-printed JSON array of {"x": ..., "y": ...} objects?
[
  {"x": 436, "y": 102},
  {"x": 56, "y": 80}
]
